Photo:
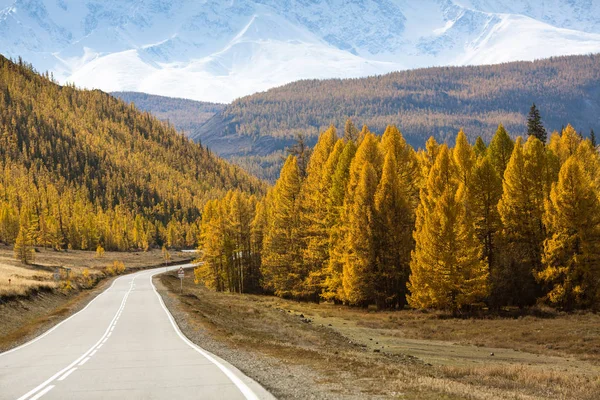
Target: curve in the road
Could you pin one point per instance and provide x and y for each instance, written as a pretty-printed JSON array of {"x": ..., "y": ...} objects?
[{"x": 143, "y": 348}]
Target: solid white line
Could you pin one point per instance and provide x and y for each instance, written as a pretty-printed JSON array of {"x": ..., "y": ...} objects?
[
  {"x": 246, "y": 391},
  {"x": 60, "y": 323},
  {"x": 84, "y": 361},
  {"x": 69, "y": 372},
  {"x": 62, "y": 371},
  {"x": 43, "y": 392}
]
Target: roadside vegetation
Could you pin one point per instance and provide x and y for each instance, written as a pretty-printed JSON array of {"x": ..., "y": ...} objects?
[
  {"x": 33, "y": 299},
  {"x": 369, "y": 221},
  {"x": 308, "y": 350}
]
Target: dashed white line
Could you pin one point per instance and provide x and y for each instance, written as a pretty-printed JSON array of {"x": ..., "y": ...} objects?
[
  {"x": 84, "y": 361},
  {"x": 43, "y": 388},
  {"x": 93, "y": 352},
  {"x": 69, "y": 372},
  {"x": 43, "y": 392}
]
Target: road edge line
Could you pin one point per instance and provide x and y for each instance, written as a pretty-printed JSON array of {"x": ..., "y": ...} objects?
[{"x": 237, "y": 381}]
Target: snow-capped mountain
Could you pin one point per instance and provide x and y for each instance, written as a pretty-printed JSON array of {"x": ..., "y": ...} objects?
[{"x": 217, "y": 50}]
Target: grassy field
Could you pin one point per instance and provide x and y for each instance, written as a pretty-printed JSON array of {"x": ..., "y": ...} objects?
[
  {"x": 25, "y": 279},
  {"x": 341, "y": 352}
]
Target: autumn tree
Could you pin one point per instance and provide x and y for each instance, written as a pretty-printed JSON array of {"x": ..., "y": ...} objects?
[
  {"x": 447, "y": 271},
  {"x": 314, "y": 227},
  {"x": 360, "y": 258},
  {"x": 337, "y": 229},
  {"x": 282, "y": 252},
  {"x": 394, "y": 223},
  {"x": 571, "y": 256},
  {"x": 500, "y": 150},
  {"x": 479, "y": 147}
]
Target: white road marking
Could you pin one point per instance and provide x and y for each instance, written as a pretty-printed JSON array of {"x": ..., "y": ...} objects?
[
  {"x": 246, "y": 391},
  {"x": 84, "y": 355},
  {"x": 100, "y": 345},
  {"x": 84, "y": 361},
  {"x": 69, "y": 372},
  {"x": 59, "y": 324},
  {"x": 93, "y": 352},
  {"x": 43, "y": 392}
]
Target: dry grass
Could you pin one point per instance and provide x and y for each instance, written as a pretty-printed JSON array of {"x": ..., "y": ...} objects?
[
  {"x": 33, "y": 301},
  {"x": 404, "y": 354},
  {"x": 27, "y": 279}
]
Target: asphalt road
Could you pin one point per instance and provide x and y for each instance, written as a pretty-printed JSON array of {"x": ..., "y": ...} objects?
[{"x": 123, "y": 345}]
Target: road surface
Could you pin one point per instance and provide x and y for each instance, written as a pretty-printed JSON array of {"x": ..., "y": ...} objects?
[{"x": 123, "y": 345}]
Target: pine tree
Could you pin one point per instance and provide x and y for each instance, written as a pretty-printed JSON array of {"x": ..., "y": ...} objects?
[
  {"x": 500, "y": 150},
  {"x": 484, "y": 195},
  {"x": 360, "y": 258},
  {"x": 301, "y": 151},
  {"x": 313, "y": 214},
  {"x": 337, "y": 193},
  {"x": 350, "y": 131},
  {"x": 479, "y": 148},
  {"x": 521, "y": 209},
  {"x": 464, "y": 157},
  {"x": 534, "y": 125},
  {"x": 593, "y": 138},
  {"x": 572, "y": 252},
  {"x": 24, "y": 251},
  {"x": 282, "y": 257},
  {"x": 393, "y": 237},
  {"x": 446, "y": 267},
  {"x": 407, "y": 164}
]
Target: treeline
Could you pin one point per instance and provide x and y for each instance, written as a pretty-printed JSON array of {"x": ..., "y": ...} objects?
[
  {"x": 372, "y": 221},
  {"x": 185, "y": 115},
  {"x": 80, "y": 169},
  {"x": 430, "y": 101},
  {"x": 424, "y": 102}
]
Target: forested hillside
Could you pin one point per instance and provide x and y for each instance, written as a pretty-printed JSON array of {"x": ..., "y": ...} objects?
[
  {"x": 369, "y": 220},
  {"x": 185, "y": 115},
  {"x": 425, "y": 102},
  {"x": 79, "y": 169}
]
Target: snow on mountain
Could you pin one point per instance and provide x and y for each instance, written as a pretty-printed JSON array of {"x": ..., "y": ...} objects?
[{"x": 217, "y": 50}]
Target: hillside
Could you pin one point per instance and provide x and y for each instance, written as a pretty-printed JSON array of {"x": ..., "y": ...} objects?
[
  {"x": 218, "y": 51},
  {"x": 185, "y": 115},
  {"x": 424, "y": 102},
  {"x": 81, "y": 169}
]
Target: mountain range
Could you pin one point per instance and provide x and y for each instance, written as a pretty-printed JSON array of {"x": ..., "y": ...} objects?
[{"x": 214, "y": 50}]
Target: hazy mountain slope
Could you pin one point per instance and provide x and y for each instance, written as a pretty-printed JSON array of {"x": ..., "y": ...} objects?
[
  {"x": 218, "y": 51},
  {"x": 433, "y": 101},
  {"x": 185, "y": 115}
]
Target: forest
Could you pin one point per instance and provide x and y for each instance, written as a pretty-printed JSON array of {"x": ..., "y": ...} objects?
[
  {"x": 367, "y": 220},
  {"x": 80, "y": 169},
  {"x": 424, "y": 102}
]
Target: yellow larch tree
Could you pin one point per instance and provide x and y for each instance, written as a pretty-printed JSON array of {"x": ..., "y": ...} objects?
[
  {"x": 447, "y": 271},
  {"x": 282, "y": 251},
  {"x": 571, "y": 255}
]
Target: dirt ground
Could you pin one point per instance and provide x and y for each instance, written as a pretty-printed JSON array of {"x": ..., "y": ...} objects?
[
  {"x": 34, "y": 302},
  {"x": 302, "y": 350}
]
